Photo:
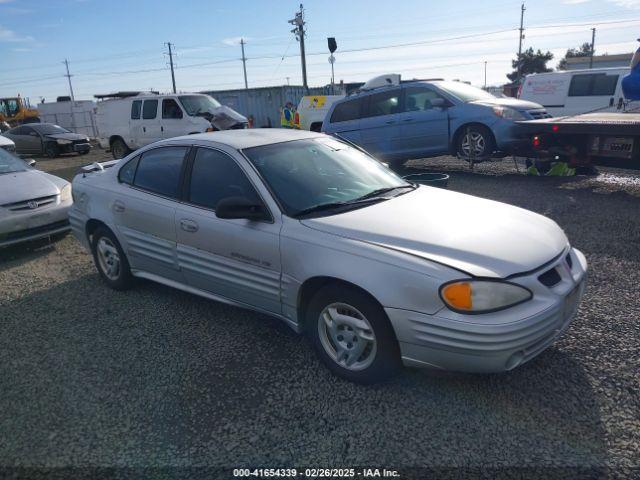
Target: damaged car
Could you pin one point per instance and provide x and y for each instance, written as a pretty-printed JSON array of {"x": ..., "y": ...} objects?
[
  {"x": 47, "y": 139},
  {"x": 127, "y": 121}
]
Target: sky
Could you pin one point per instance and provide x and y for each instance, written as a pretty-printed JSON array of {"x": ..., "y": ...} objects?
[{"x": 116, "y": 45}]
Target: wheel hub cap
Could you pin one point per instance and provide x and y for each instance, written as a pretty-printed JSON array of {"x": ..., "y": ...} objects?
[
  {"x": 347, "y": 337},
  {"x": 476, "y": 139},
  {"x": 108, "y": 258}
]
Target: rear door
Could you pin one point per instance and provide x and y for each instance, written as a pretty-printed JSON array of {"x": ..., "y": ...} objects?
[
  {"x": 27, "y": 140},
  {"x": 144, "y": 207},
  {"x": 424, "y": 129},
  {"x": 380, "y": 124},
  {"x": 135, "y": 125},
  {"x": 236, "y": 259}
]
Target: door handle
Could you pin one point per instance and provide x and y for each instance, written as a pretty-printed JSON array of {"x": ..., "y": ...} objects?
[
  {"x": 144, "y": 129},
  {"x": 118, "y": 207},
  {"x": 611, "y": 100},
  {"x": 390, "y": 122},
  {"x": 188, "y": 225},
  {"x": 161, "y": 128}
]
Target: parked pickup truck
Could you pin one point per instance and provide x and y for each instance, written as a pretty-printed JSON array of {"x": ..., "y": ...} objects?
[{"x": 589, "y": 139}]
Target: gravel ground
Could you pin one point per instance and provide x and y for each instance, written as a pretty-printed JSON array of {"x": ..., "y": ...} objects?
[{"x": 154, "y": 377}]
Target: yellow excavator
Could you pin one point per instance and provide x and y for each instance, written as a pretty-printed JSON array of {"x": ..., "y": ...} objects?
[{"x": 15, "y": 111}]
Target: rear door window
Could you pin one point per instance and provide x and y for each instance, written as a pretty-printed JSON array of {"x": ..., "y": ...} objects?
[
  {"x": 136, "y": 106},
  {"x": 149, "y": 109},
  {"x": 383, "y": 103},
  {"x": 345, "y": 111},
  {"x": 159, "y": 170}
]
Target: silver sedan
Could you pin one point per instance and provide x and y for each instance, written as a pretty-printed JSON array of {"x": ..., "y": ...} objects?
[
  {"x": 33, "y": 204},
  {"x": 376, "y": 270}
]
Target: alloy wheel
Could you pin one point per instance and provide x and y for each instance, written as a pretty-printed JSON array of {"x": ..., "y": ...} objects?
[
  {"x": 478, "y": 140},
  {"x": 108, "y": 258},
  {"x": 347, "y": 336}
]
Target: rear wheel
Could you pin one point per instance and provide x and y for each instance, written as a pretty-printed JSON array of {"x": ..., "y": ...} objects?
[
  {"x": 477, "y": 139},
  {"x": 352, "y": 335},
  {"x": 119, "y": 149},
  {"x": 51, "y": 150},
  {"x": 110, "y": 260}
]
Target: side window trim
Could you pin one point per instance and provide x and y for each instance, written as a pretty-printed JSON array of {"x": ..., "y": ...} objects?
[{"x": 186, "y": 184}]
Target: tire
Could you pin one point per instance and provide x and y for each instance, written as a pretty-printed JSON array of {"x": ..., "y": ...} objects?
[
  {"x": 119, "y": 149},
  {"x": 363, "y": 347},
  {"x": 485, "y": 144},
  {"x": 105, "y": 248},
  {"x": 51, "y": 150}
]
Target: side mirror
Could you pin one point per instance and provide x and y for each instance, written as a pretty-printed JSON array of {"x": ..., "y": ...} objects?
[
  {"x": 439, "y": 103},
  {"x": 30, "y": 161},
  {"x": 240, "y": 207}
]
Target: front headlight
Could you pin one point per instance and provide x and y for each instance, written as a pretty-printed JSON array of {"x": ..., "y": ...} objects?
[
  {"x": 65, "y": 193},
  {"x": 482, "y": 296},
  {"x": 63, "y": 142},
  {"x": 509, "y": 113}
]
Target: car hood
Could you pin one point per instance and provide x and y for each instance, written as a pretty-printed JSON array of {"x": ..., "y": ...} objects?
[
  {"x": 223, "y": 117},
  {"x": 477, "y": 236},
  {"x": 5, "y": 142},
  {"x": 20, "y": 186},
  {"x": 67, "y": 136},
  {"x": 510, "y": 102}
]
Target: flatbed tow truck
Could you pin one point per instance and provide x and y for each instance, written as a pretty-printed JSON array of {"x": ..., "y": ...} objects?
[{"x": 586, "y": 140}]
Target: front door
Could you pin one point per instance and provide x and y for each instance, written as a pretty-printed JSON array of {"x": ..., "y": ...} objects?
[
  {"x": 172, "y": 124},
  {"x": 144, "y": 210},
  {"x": 424, "y": 128},
  {"x": 380, "y": 124},
  {"x": 236, "y": 259}
]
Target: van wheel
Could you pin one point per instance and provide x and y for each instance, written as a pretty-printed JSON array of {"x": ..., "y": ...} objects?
[
  {"x": 119, "y": 149},
  {"x": 478, "y": 136},
  {"x": 110, "y": 260},
  {"x": 352, "y": 335},
  {"x": 51, "y": 150}
]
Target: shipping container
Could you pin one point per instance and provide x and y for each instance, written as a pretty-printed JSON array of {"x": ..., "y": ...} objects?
[{"x": 78, "y": 116}]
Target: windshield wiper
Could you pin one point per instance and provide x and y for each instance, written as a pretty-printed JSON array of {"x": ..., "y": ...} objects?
[
  {"x": 336, "y": 205},
  {"x": 382, "y": 191}
]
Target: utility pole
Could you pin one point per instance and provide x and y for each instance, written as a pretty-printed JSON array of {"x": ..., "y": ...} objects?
[
  {"x": 244, "y": 64},
  {"x": 68, "y": 75},
  {"x": 485, "y": 74},
  {"x": 593, "y": 46},
  {"x": 522, "y": 10},
  {"x": 298, "y": 31},
  {"x": 173, "y": 77}
]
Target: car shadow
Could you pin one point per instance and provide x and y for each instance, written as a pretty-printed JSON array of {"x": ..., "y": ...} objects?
[
  {"x": 157, "y": 376},
  {"x": 25, "y": 252}
]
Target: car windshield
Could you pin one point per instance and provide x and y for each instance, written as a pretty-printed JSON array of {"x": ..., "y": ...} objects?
[
  {"x": 465, "y": 92},
  {"x": 195, "y": 104},
  {"x": 10, "y": 163},
  {"x": 49, "y": 129},
  {"x": 312, "y": 174}
]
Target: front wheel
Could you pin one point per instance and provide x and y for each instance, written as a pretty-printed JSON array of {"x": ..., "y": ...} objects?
[
  {"x": 51, "y": 150},
  {"x": 352, "y": 335},
  {"x": 110, "y": 260},
  {"x": 476, "y": 139}
]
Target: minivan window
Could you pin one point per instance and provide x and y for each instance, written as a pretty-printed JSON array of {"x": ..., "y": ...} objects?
[
  {"x": 593, "y": 84},
  {"x": 345, "y": 111},
  {"x": 384, "y": 103},
  {"x": 417, "y": 99},
  {"x": 171, "y": 109},
  {"x": 150, "y": 109},
  {"x": 135, "y": 109},
  {"x": 215, "y": 176},
  {"x": 159, "y": 170}
]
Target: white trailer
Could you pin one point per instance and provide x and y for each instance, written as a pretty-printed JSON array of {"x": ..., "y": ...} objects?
[{"x": 78, "y": 116}]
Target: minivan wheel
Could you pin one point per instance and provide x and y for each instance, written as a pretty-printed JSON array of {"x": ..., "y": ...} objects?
[
  {"x": 352, "y": 335},
  {"x": 110, "y": 260},
  {"x": 119, "y": 149},
  {"x": 477, "y": 136},
  {"x": 51, "y": 150}
]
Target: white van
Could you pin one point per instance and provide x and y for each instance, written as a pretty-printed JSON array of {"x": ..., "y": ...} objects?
[
  {"x": 127, "y": 121},
  {"x": 573, "y": 92},
  {"x": 312, "y": 110}
]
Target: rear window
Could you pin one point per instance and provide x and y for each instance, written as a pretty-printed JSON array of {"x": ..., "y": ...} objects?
[
  {"x": 345, "y": 111},
  {"x": 159, "y": 170},
  {"x": 150, "y": 109},
  {"x": 593, "y": 85}
]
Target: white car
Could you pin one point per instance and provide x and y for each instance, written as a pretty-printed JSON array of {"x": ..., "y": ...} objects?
[
  {"x": 376, "y": 270},
  {"x": 7, "y": 144},
  {"x": 33, "y": 204}
]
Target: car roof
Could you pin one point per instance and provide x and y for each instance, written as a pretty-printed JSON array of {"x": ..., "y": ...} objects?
[{"x": 250, "y": 137}]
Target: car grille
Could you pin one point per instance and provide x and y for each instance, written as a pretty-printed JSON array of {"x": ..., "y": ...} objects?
[
  {"x": 550, "y": 278},
  {"x": 539, "y": 113},
  {"x": 34, "y": 231},
  {"x": 31, "y": 204}
]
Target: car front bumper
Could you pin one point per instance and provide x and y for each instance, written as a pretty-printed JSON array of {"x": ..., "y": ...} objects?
[
  {"x": 18, "y": 227},
  {"x": 492, "y": 344},
  {"x": 75, "y": 148}
]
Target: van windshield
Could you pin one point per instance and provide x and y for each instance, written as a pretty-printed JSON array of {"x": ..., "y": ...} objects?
[
  {"x": 197, "y": 104},
  {"x": 464, "y": 92}
]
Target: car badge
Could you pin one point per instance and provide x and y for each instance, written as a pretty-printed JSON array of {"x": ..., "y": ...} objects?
[{"x": 32, "y": 204}]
